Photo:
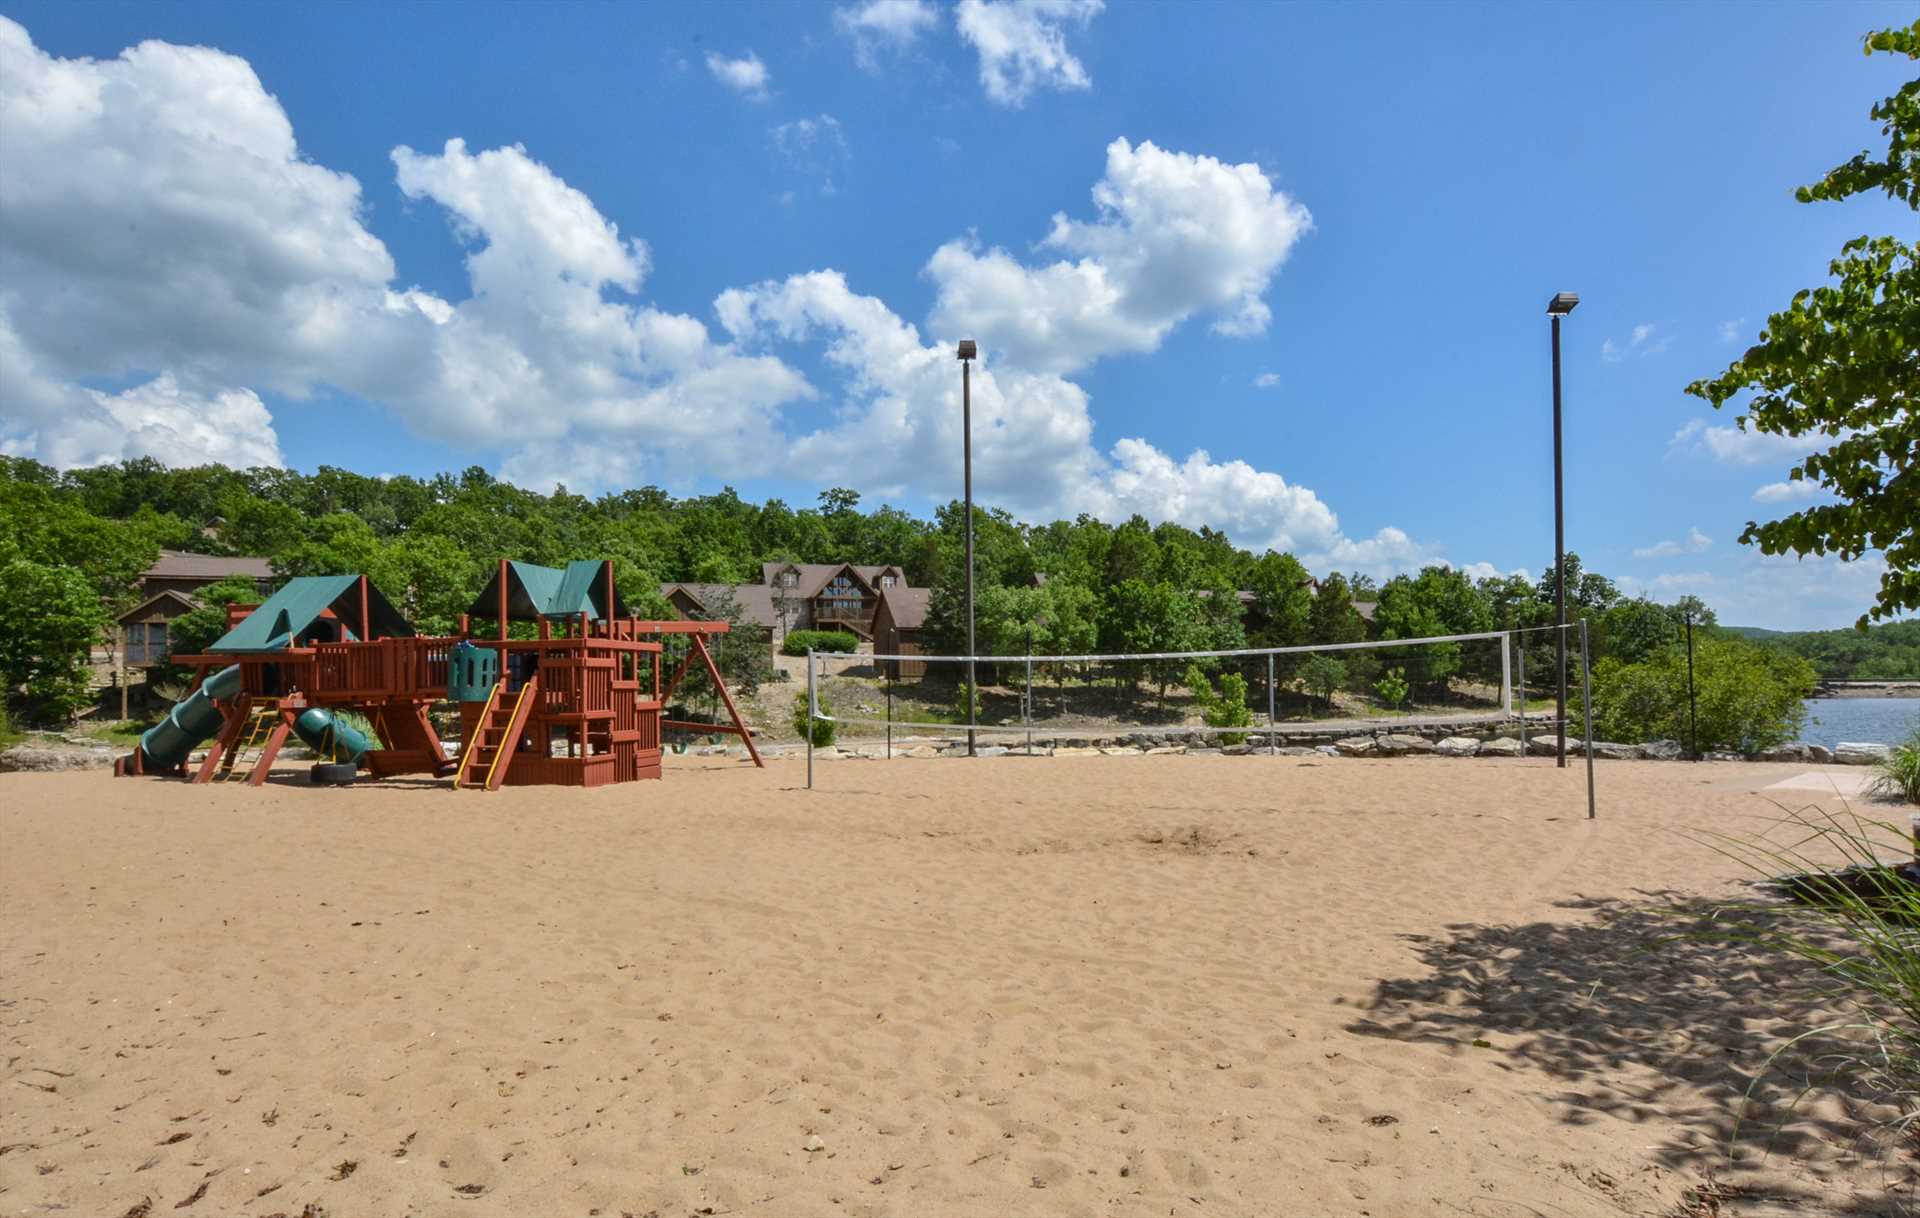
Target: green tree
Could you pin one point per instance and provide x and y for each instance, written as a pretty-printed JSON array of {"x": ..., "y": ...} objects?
[
  {"x": 1587, "y": 592},
  {"x": 197, "y": 629},
  {"x": 1323, "y": 676},
  {"x": 1843, "y": 361},
  {"x": 50, "y": 620},
  {"x": 1333, "y": 619},
  {"x": 1283, "y": 601},
  {"x": 1632, "y": 630},
  {"x": 1143, "y": 617},
  {"x": 1749, "y": 698},
  {"x": 1438, "y": 601}
]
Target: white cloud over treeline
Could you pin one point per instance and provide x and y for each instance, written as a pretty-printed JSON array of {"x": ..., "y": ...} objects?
[{"x": 162, "y": 231}]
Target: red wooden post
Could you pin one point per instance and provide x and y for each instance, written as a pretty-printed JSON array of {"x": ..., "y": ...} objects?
[
  {"x": 366, "y": 618},
  {"x": 700, "y": 645}
]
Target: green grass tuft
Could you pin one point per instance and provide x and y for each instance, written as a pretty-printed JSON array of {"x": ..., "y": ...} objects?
[
  {"x": 1900, "y": 772},
  {"x": 1855, "y": 917}
]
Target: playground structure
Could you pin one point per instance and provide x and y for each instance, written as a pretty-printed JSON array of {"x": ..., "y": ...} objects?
[{"x": 580, "y": 703}]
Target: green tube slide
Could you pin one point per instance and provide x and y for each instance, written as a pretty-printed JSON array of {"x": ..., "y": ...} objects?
[
  {"x": 327, "y": 736},
  {"x": 194, "y": 718}
]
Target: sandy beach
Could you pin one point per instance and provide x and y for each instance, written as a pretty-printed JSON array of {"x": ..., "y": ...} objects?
[{"x": 1106, "y": 985}]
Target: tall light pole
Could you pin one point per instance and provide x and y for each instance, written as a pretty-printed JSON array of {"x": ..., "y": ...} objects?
[
  {"x": 968, "y": 352},
  {"x": 1562, "y": 304}
]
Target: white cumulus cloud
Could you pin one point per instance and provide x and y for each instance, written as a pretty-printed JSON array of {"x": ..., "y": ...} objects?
[
  {"x": 1175, "y": 235},
  {"x": 1695, "y": 542},
  {"x": 1741, "y": 446},
  {"x": 253, "y": 271},
  {"x": 1032, "y": 433},
  {"x": 1023, "y": 44},
  {"x": 1645, "y": 340},
  {"x": 1267, "y": 380},
  {"x": 1797, "y": 490},
  {"x": 746, "y": 75},
  {"x": 881, "y": 24}
]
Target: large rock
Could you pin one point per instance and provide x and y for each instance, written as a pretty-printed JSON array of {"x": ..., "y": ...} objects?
[
  {"x": 1662, "y": 750},
  {"x": 1794, "y": 751},
  {"x": 1819, "y": 754},
  {"x": 37, "y": 759},
  {"x": 1355, "y": 746},
  {"x": 1401, "y": 742},
  {"x": 1610, "y": 751},
  {"x": 1505, "y": 746},
  {"x": 1854, "y": 752},
  {"x": 1457, "y": 746},
  {"x": 1295, "y": 750},
  {"x": 1549, "y": 746}
]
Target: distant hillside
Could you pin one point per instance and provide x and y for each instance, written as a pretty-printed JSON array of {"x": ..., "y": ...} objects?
[{"x": 1878, "y": 653}]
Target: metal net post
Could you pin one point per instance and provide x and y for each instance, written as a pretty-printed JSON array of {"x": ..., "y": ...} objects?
[
  {"x": 1026, "y": 703},
  {"x": 1273, "y": 725},
  {"x": 1586, "y": 707},
  {"x": 812, "y": 709}
]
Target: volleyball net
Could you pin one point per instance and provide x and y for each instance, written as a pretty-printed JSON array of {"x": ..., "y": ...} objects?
[{"x": 1484, "y": 686}]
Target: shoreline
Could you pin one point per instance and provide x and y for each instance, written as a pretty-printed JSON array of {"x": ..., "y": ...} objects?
[{"x": 1868, "y": 689}]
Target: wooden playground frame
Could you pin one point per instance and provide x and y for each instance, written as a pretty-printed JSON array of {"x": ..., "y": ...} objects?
[{"x": 582, "y": 704}]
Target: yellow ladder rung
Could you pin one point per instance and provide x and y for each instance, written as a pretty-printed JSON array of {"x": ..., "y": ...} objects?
[{"x": 261, "y": 721}]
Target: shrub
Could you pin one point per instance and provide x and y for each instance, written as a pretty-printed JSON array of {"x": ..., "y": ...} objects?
[
  {"x": 1225, "y": 707},
  {"x": 1228, "y": 708},
  {"x": 797, "y": 642},
  {"x": 1900, "y": 771},
  {"x": 822, "y": 730},
  {"x": 1392, "y": 686},
  {"x": 966, "y": 698},
  {"x": 1750, "y": 698}
]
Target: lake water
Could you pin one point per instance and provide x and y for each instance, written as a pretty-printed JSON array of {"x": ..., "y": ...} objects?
[{"x": 1871, "y": 720}]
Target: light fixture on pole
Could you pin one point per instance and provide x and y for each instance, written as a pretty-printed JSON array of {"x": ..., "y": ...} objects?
[
  {"x": 1562, "y": 304},
  {"x": 967, "y": 354}
]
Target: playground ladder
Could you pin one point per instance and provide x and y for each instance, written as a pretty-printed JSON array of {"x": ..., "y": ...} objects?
[
  {"x": 488, "y": 755},
  {"x": 263, "y": 715}
]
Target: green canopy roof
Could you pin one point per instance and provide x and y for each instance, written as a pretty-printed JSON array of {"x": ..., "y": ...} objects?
[
  {"x": 291, "y": 611},
  {"x": 534, "y": 591}
]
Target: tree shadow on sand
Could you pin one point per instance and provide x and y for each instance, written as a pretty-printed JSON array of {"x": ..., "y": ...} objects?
[{"x": 1646, "y": 1012}]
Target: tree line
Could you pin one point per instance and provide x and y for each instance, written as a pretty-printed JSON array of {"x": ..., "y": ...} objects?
[{"x": 73, "y": 544}]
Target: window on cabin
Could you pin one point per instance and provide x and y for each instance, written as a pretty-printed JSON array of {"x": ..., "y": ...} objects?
[
  {"x": 146, "y": 642},
  {"x": 886, "y": 581},
  {"x": 789, "y": 578},
  {"x": 841, "y": 598}
]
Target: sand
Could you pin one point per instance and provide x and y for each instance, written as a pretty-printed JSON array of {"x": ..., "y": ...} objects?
[{"x": 1103, "y": 985}]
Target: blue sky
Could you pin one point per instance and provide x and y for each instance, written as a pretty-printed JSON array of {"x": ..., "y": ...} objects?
[{"x": 1312, "y": 243}]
